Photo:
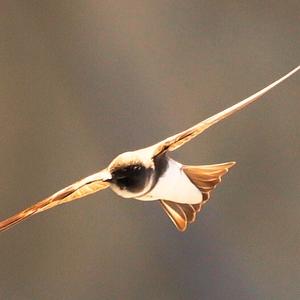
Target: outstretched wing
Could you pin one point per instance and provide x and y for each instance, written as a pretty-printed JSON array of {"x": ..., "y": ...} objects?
[
  {"x": 79, "y": 189},
  {"x": 177, "y": 140}
]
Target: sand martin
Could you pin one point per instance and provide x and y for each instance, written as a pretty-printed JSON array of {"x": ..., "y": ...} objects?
[{"x": 149, "y": 174}]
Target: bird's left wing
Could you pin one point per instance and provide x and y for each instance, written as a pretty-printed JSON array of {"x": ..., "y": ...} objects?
[
  {"x": 79, "y": 189},
  {"x": 177, "y": 140}
]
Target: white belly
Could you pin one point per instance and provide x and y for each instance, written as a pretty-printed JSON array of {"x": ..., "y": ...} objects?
[{"x": 174, "y": 186}]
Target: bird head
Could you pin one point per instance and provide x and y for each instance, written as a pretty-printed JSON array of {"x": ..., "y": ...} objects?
[{"x": 132, "y": 174}]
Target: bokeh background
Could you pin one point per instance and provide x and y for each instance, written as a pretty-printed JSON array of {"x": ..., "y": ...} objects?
[{"x": 82, "y": 81}]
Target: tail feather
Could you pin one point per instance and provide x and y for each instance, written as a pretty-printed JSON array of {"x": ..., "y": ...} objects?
[
  {"x": 181, "y": 214},
  {"x": 205, "y": 178}
]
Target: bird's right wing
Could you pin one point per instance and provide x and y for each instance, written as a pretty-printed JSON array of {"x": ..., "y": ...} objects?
[
  {"x": 177, "y": 140},
  {"x": 79, "y": 189}
]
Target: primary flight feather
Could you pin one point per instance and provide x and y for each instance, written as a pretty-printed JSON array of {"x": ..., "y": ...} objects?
[{"x": 150, "y": 174}]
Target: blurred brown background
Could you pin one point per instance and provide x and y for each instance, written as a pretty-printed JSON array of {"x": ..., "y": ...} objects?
[{"x": 82, "y": 81}]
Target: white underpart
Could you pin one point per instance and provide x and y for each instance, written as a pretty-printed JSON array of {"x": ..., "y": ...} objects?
[{"x": 174, "y": 186}]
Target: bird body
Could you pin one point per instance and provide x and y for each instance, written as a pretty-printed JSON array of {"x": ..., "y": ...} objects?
[
  {"x": 174, "y": 185},
  {"x": 150, "y": 174}
]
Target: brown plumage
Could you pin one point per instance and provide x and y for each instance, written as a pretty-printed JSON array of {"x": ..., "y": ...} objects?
[
  {"x": 181, "y": 214},
  {"x": 205, "y": 178},
  {"x": 84, "y": 187},
  {"x": 141, "y": 174}
]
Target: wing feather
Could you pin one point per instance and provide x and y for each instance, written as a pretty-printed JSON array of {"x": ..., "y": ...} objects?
[
  {"x": 82, "y": 188},
  {"x": 177, "y": 140}
]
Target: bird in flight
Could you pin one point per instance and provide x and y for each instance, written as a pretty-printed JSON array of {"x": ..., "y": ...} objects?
[{"x": 149, "y": 174}]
